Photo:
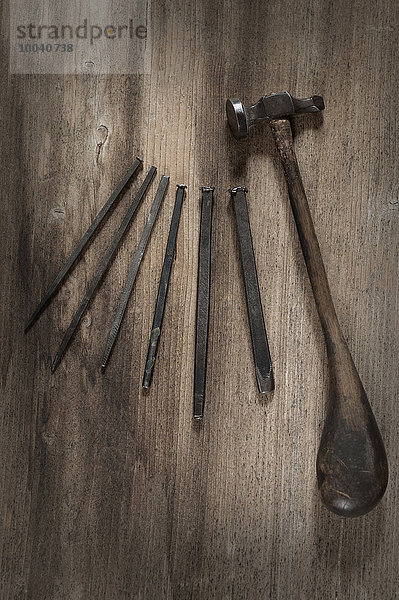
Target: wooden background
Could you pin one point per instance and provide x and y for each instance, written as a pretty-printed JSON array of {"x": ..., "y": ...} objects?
[{"x": 110, "y": 493}]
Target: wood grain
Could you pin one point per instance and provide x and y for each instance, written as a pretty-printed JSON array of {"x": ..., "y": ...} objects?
[{"x": 111, "y": 493}]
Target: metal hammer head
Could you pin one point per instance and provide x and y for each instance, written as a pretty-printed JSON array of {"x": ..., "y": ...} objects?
[{"x": 275, "y": 106}]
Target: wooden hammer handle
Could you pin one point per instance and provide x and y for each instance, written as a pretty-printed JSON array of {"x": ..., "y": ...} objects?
[{"x": 352, "y": 467}]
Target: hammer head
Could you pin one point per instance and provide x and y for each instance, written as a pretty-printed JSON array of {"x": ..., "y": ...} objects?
[{"x": 275, "y": 106}]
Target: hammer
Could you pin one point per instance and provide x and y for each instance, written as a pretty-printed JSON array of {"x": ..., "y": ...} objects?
[{"x": 352, "y": 468}]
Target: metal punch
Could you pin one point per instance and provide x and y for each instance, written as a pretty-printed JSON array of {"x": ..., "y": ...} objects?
[
  {"x": 203, "y": 302},
  {"x": 78, "y": 251},
  {"x": 163, "y": 287},
  {"x": 102, "y": 269},
  {"x": 134, "y": 269},
  {"x": 260, "y": 345}
]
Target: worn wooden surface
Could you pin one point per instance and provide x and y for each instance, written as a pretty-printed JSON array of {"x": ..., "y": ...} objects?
[{"x": 109, "y": 493}]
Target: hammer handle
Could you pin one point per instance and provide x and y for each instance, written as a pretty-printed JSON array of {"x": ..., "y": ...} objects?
[{"x": 352, "y": 467}]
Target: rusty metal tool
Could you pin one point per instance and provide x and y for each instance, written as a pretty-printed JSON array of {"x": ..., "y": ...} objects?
[
  {"x": 203, "y": 302},
  {"x": 260, "y": 346},
  {"x": 134, "y": 269},
  {"x": 352, "y": 466},
  {"x": 102, "y": 269},
  {"x": 111, "y": 202},
  {"x": 163, "y": 287}
]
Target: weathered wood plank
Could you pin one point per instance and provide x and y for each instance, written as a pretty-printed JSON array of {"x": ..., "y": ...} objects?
[{"x": 108, "y": 492}]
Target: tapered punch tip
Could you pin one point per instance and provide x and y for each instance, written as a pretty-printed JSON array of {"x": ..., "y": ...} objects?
[
  {"x": 181, "y": 186},
  {"x": 265, "y": 384},
  {"x": 28, "y": 325},
  {"x": 207, "y": 188},
  {"x": 199, "y": 402},
  {"x": 55, "y": 364}
]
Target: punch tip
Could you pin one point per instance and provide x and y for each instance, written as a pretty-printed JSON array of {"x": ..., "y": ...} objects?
[
  {"x": 32, "y": 319},
  {"x": 55, "y": 364},
  {"x": 146, "y": 385},
  {"x": 207, "y": 188},
  {"x": 105, "y": 358},
  {"x": 148, "y": 370},
  {"x": 181, "y": 186},
  {"x": 266, "y": 384},
  {"x": 199, "y": 402}
]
